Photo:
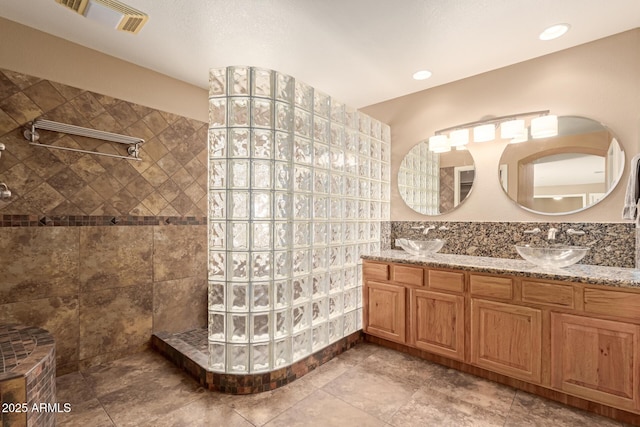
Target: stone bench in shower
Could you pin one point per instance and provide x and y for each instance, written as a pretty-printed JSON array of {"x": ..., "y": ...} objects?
[{"x": 27, "y": 376}]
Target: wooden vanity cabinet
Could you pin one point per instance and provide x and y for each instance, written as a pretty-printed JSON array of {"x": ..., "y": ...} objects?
[
  {"x": 596, "y": 359},
  {"x": 406, "y": 310},
  {"x": 437, "y": 322},
  {"x": 385, "y": 311},
  {"x": 577, "y": 339},
  {"x": 507, "y": 339}
]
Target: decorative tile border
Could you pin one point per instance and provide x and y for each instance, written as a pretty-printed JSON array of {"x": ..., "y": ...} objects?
[
  {"x": 88, "y": 220},
  {"x": 612, "y": 244},
  {"x": 186, "y": 351}
]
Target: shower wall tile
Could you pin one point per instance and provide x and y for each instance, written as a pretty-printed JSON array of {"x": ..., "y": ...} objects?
[
  {"x": 179, "y": 305},
  {"x": 38, "y": 263},
  {"x": 115, "y": 257},
  {"x": 20, "y": 108},
  {"x": 44, "y": 95},
  {"x": 6, "y": 122},
  {"x": 21, "y": 174},
  {"x": 67, "y": 178},
  {"x": 113, "y": 320},
  {"x": 44, "y": 198},
  {"x": 95, "y": 249},
  {"x": 43, "y": 163},
  {"x": 8, "y": 86},
  {"x": 447, "y": 189},
  {"x": 179, "y": 252},
  {"x": 59, "y": 316}
]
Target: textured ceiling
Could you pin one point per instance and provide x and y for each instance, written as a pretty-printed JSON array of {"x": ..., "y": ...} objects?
[{"x": 359, "y": 51}]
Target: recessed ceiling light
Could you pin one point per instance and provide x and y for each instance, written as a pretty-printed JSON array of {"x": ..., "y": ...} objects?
[
  {"x": 422, "y": 75},
  {"x": 554, "y": 32}
]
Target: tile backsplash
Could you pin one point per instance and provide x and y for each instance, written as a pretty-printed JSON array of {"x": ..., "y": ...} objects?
[{"x": 612, "y": 244}]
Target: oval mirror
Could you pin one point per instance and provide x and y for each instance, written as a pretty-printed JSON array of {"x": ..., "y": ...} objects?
[
  {"x": 565, "y": 173},
  {"x": 435, "y": 183}
]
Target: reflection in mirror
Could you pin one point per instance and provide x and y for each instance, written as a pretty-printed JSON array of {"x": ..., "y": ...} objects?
[
  {"x": 435, "y": 183},
  {"x": 566, "y": 173}
]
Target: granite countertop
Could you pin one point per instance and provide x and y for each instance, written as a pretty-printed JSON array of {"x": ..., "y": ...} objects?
[{"x": 581, "y": 273}]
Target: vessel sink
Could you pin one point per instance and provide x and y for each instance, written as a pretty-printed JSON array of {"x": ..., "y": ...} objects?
[
  {"x": 552, "y": 256},
  {"x": 421, "y": 247}
]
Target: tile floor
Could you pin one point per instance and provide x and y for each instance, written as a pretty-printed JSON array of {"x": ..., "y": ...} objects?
[{"x": 365, "y": 386}]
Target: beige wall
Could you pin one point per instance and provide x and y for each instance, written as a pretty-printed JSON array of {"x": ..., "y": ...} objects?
[
  {"x": 33, "y": 52},
  {"x": 599, "y": 80}
]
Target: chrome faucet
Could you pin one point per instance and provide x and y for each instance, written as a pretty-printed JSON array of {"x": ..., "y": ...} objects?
[
  {"x": 429, "y": 228},
  {"x": 552, "y": 233}
]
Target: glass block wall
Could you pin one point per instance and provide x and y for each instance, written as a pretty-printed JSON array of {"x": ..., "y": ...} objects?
[
  {"x": 298, "y": 187},
  {"x": 419, "y": 179}
]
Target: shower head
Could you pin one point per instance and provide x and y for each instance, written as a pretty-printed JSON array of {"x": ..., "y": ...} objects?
[{"x": 5, "y": 193}]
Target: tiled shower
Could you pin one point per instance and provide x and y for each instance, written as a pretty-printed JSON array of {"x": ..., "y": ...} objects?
[{"x": 299, "y": 185}]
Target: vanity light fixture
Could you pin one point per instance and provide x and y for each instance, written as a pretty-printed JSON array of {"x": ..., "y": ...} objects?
[
  {"x": 484, "y": 133},
  {"x": 421, "y": 75},
  {"x": 521, "y": 137},
  {"x": 554, "y": 32},
  {"x": 459, "y": 138},
  {"x": 544, "y": 126},
  {"x": 512, "y": 127},
  {"x": 439, "y": 144}
]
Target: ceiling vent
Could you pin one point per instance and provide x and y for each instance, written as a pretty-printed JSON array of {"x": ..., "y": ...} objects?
[{"x": 109, "y": 12}]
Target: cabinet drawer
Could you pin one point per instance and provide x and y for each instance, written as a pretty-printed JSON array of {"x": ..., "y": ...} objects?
[
  {"x": 553, "y": 294},
  {"x": 491, "y": 287},
  {"x": 612, "y": 303},
  {"x": 446, "y": 280},
  {"x": 407, "y": 275},
  {"x": 374, "y": 270}
]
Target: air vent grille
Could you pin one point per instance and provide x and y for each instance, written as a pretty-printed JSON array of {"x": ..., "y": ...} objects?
[
  {"x": 132, "y": 19},
  {"x": 76, "y": 5},
  {"x": 131, "y": 24}
]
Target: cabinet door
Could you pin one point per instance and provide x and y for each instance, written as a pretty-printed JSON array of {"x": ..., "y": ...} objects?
[
  {"x": 385, "y": 311},
  {"x": 438, "y": 322},
  {"x": 507, "y": 339},
  {"x": 596, "y": 359}
]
